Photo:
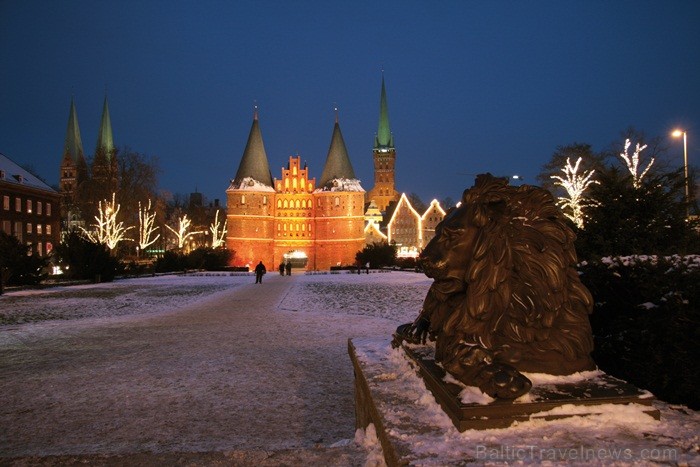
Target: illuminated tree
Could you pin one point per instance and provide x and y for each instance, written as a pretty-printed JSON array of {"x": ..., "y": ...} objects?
[
  {"x": 107, "y": 230},
  {"x": 633, "y": 163},
  {"x": 147, "y": 227},
  {"x": 218, "y": 237},
  {"x": 575, "y": 185},
  {"x": 182, "y": 233}
]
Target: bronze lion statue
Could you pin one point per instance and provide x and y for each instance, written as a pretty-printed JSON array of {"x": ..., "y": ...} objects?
[{"x": 506, "y": 298}]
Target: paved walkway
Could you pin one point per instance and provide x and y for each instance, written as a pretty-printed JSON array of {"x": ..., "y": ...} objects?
[{"x": 232, "y": 374}]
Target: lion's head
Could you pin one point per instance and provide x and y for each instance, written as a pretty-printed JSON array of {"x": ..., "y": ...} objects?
[{"x": 511, "y": 253}]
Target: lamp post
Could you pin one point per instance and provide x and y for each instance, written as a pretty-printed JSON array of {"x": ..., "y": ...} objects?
[{"x": 677, "y": 134}]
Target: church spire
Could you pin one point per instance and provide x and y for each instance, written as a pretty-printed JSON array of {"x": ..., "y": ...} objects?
[
  {"x": 73, "y": 146},
  {"x": 338, "y": 164},
  {"x": 105, "y": 139},
  {"x": 384, "y": 138},
  {"x": 254, "y": 161}
]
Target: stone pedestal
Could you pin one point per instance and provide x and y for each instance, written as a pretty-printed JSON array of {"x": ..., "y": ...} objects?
[
  {"x": 387, "y": 398},
  {"x": 585, "y": 396}
]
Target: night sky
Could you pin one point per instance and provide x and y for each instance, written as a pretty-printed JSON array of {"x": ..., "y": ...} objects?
[{"x": 473, "y": 86}]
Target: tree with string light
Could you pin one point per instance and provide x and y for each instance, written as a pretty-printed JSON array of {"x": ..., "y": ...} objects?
[
  {"x": 107, "y": 230},
  {"x": 575, "y": 184}
]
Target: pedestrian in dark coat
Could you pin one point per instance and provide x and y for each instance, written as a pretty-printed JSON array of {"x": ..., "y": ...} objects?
[
  {"x": 259, "y": 272},
  {"x": 289, "y": 268},
  {"x": 281, "y": 269}
]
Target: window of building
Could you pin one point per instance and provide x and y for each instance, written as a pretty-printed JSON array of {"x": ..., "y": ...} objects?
[
  {"x": 18, "y": 205},
  {"x": 242, "y": 199},
  {"x": 39, "y": 207},
  {"x": 29, "y": 206},
  {"x": 297, "y": 204},
  {"x": 38, "y": 229},
  {"x": 48, "y": 229},
  {"x": 279, "y": 204},
  {"x": 294, "y": 182},
  {"x": 38, "y": 249},
  {"x": 6, "y": 227},
  {"x": 49, "y": 247},
  {"x": 265, "y": 199},
  {"x": 337, "y": 201},
  {"x": 286, "y": 203},
  {"x": 29, "y": 227},
  {"x": 6, "y": 203},
  {"x": 18, "y": 231},
  {"x": 48, "y": 209}
]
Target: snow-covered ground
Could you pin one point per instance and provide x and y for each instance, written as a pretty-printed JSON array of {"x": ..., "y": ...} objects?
[{"x": 167, "y": 346}]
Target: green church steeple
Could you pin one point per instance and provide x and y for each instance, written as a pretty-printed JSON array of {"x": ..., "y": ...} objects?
[
  {"x": 384, "y": 138},
  {"x": 73, "y": 146},
  {"x": 105, "y": 139}
]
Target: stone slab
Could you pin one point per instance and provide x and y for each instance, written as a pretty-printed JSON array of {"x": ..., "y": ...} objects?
[{"x": 586, "y": 395}]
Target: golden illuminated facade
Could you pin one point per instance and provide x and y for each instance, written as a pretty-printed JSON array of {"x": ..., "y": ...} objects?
[{"x": 290, "y": 218}]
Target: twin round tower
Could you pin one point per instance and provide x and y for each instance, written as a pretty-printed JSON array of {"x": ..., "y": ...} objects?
[{"x": 315, "y": 225}]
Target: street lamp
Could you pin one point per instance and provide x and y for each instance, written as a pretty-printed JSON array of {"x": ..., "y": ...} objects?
[{"x": 677, "y": 134}]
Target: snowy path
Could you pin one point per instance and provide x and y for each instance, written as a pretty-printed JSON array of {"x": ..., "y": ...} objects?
[{"x": 231, "y": 372}]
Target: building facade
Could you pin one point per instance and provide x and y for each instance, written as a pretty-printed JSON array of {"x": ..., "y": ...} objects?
[
  {"x": 294, "y": 219},
  {"x": 411, "y": 231},
  {"x": 30, "y": 208}
]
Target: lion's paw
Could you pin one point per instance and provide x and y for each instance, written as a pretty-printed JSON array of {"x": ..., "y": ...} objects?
[{"x": 503, "y": 382}]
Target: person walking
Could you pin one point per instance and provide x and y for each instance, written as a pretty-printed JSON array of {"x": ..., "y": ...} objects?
[
  {"x": 289, "y": 268},
  {"x": 281, "y": 268},
  {"x": 259, "y": 272}
]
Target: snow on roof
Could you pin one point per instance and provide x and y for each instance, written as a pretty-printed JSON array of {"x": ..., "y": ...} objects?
[
  {"x": 12, "y": 173},
  {"x": 342, "y": 184},
  {"x": 250, "y": 184}
]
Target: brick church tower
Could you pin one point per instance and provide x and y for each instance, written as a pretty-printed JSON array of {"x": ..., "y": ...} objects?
[
  {"x": 384, "y": 191},
  {"x": 292, "y": 219},
  {"x": 74, "y": 169}
]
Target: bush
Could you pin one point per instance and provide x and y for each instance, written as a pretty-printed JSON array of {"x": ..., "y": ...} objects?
[
  {"x": 16, "y": 266},
  {"x": 201, "y": 258},
  {"x": 84, "y": 259},
  {"x": 378, "y": 255},
  {"x": 646, "y": 323},
  {"x": 171, "y": 261},
  {"x": 209, "y": 259}
]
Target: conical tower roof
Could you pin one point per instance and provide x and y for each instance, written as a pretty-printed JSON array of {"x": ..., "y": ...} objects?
[
  {"x": 105, "y": 139},
  {"x": 73, "y": 146},
  {"x": 338, "y": 164},
  {"x": 384, "y": 139},
  {"x": 254, "y": 163}
]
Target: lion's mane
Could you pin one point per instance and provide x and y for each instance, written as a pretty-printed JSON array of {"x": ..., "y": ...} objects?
[{"x": 523, "y": 297}]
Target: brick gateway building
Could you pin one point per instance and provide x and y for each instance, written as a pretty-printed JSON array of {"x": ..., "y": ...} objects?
[{"x": 293, "y": 218}]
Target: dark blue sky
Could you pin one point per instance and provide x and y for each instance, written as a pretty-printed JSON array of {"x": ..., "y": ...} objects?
[{"x": 473, "y": 86}]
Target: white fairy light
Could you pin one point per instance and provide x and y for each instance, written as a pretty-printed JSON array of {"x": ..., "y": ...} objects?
[
  {"x": 182, "y": 233},
  {"x": 147, "y": 227},
  {"x": 107, "y": 230},
  {"x": 575, "y": 185},
  {"x": 633, "y": 163},
  {"x": 217, "y": 236}
]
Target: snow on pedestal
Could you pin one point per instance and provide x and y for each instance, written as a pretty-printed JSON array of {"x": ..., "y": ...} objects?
[{"x": 414, "y": 429}]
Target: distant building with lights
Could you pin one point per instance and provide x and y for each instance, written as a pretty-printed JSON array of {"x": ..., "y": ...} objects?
[
  {"x": 30, "y": 208},
  {"x": 293, "y": 218},
  {"x": 411, "y": 231}
]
